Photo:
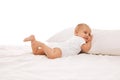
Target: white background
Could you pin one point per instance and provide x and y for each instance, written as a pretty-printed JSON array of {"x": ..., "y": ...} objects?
[{"x": 43, "y": 18}]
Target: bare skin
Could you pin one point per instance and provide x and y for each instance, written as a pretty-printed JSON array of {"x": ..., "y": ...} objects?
[
  {"x": 84, "y": 31},
  {"x": 40, "y": 48}
]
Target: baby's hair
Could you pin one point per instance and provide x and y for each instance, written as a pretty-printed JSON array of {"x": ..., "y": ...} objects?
[{"x": 80, "y": 26}]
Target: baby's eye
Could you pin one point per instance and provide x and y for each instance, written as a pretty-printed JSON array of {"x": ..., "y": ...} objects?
[
  {"x": 85, "y": 32},
  {"x": 89, "y": 34}
]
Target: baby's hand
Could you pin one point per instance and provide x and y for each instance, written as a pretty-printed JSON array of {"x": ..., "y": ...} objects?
[{"x": 90, "y": 38}]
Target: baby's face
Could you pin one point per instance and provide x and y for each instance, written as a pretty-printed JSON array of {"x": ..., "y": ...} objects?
[{"x": 85, "y": 32}]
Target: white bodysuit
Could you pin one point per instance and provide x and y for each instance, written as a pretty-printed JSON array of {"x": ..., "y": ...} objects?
[{"x": 69, "y": 47}]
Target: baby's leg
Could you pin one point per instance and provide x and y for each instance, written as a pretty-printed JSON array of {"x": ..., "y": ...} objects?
[
  {"x": 37, "y": 50},
  {"x": 50, "y": 52},
  {"x": 35, "y": 46},
  {"x": 30, "y": 38}
]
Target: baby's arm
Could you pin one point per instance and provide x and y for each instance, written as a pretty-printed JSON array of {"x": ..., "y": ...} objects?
[{"x": 86, "y": 47}]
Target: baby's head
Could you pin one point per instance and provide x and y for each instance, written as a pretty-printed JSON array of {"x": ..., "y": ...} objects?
[{"x": 84, "y": 31}]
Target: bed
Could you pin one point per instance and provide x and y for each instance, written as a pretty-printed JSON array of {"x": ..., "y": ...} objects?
[{"x": 18, "y": 63}]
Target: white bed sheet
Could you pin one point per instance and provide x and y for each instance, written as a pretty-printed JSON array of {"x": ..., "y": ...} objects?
[{"x": 18, "y": 63}]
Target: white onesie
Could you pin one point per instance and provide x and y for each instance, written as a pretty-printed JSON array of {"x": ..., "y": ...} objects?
[{"x": 69, "y": 47}]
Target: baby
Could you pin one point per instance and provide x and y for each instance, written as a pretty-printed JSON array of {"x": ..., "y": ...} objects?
[{"x": 79, "y": 42}]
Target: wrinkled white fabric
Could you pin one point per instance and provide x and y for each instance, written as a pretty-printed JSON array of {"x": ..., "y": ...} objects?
[{"x": 69, "y": 47}]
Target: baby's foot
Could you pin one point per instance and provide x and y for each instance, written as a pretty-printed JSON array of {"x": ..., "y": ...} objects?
[{"x": 30, "y": 38}]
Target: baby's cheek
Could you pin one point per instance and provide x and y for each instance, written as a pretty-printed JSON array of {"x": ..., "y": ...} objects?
[{"x": 89, "y": 38}]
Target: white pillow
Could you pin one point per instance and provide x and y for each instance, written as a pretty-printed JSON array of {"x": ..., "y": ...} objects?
[
  {"x": 62, "y": 35},
  {"x": 104, "y": 41}
]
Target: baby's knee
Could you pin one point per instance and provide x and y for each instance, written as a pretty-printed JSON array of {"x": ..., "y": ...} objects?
[
  {"x": 35, "y": 53},
  {"x": 39, "y": 52}
]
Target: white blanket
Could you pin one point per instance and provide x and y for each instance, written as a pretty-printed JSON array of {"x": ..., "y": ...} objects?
[{"x": 18, "y": 63}]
